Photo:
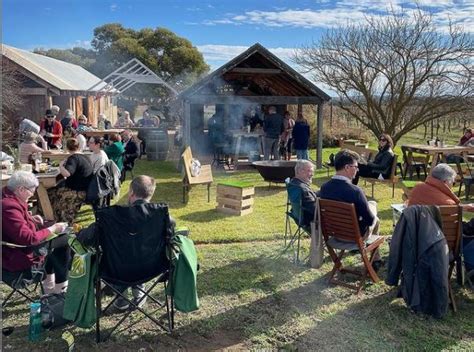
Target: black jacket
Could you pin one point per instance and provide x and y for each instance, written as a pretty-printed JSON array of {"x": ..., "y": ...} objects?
[
  {"x": 419, "y": 252},
  {"x": 382, "y": 163},
  {"x": 131, "y": 153},
  {"x": 301, "y": 194}
]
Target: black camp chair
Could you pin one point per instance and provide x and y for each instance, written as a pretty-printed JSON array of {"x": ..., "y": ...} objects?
[
  {"x": 294, "y": 214},
  {"x": 132, "y": 244}
]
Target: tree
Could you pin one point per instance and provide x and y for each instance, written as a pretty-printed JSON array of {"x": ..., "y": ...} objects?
[
  {"x": 12, "y": 100},
  {"x": 394, "y": 73}
]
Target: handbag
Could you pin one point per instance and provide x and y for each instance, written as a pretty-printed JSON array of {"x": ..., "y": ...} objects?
[{"x": 52, "y": 306}]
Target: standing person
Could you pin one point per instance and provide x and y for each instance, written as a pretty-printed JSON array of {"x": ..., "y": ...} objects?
[
  {"x": 300, "y": 135},
  {"x": 67, "y": 197},
  {"x": 29, "y": 147},
  {"x": 51, "y": 130},
  {"x": 21, "y": 228},
  {"x": 273, "y": 127},
  {"x": 382, "y": 164},
  {"x": 131, "y": 152},
  {"x": 116, "y": 150},
  {"x": 286, "y": 137},
  {"x": 98, "y": 157}
]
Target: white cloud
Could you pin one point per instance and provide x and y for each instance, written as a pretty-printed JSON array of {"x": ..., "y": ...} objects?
[
  {"x": 113, "y": 7},
  {"x": 224, "y": 53},
  {"x": 352, "y": 11}
]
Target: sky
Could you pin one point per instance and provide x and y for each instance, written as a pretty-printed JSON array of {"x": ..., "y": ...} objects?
[{"x": 220, "y": 29}]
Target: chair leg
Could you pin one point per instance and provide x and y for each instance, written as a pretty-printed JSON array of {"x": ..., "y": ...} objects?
[
  {"x": 372, "y": 190},
  {"x": 451, "y": 298},
  {"x": 98, "y": 304},
  {"x": 5, "y": 301},
  {"x": 467, "y": 188},
  {"x": 208, "y": 192},
  {"x": 393, "y": 190},
  {"x": 460, "y": 186}
]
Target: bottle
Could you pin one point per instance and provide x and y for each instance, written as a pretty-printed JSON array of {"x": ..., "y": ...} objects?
[
  {"x": 35, "y": 330},
  {"x": 101, "y": 125}
]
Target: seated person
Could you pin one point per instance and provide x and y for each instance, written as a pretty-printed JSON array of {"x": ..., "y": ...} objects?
[
  {"x": 69, "y": 122},
  {"x": 115, "y": 150},
  {"x": 83, "y": 126},
  {"x": 98, "y": 157},
  {"x": 28, "y": 147},
  {"x": 103, "y": 123},
  {"x": 340, "y": 188},
  {"x": 124, "y": 121},
  {"x": 436, "y": 190},
  {"x": 300, "y": 192},
  {"x": 67, "y": 197},
  {"x": 382, "y": 164},
  {"x": 21, "y": 228},
  {"x": 467, "y": 138},
  {"x": 141, "y": 191}
]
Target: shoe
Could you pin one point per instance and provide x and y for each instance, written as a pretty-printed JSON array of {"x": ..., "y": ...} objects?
[
  {"x": 121, "y": 304},
  {"x": 377, "y": 264}
]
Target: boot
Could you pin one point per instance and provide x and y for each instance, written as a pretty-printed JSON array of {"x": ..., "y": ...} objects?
[{"x": 48, "y": 283}]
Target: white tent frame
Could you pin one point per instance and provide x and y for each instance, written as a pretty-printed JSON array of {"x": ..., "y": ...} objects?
[{"x": 127, "y": 75}]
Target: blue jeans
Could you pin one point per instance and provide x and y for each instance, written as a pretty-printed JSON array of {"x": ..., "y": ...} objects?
[{"x": 302, "y": 154}]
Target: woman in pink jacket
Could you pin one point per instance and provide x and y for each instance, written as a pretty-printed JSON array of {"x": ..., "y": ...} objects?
[{"x": 21, "y": 228}]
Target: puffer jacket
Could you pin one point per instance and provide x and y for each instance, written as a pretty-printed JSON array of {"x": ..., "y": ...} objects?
[{"x": 419, "y": 254}]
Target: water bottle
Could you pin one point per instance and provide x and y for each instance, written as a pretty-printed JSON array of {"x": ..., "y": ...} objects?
[{"x": 35, "y": 322}]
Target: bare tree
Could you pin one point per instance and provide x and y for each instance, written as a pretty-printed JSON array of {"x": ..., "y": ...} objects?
[
  {"x": 396, "y": 72},
  {"x": 11, "y": 101}
]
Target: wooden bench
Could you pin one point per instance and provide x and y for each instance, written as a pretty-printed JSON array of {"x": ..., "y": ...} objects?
[
  {"x": 204, "y": 178},
  {"x": 393, "y": 179},
  {"x": 340, "y": 230}
]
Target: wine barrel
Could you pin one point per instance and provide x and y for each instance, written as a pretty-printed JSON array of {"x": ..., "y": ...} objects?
[{"x": 157, "y": 145}]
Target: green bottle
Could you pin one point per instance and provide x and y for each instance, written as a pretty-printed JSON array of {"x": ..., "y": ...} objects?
[{"x": 35, "y": 322}]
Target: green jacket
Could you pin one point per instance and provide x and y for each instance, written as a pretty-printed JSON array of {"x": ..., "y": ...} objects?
[
  {"x": 115, "y": 153},
  {"x": 183, "y": 283}
]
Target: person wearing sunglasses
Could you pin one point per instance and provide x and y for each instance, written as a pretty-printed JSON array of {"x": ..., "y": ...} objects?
[
  {"x": 382, "y": 163},
  {"x": 51, "y": 130}
]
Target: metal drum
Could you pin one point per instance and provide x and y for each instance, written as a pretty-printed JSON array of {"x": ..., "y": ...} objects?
[{"x": 157, "y": 144}]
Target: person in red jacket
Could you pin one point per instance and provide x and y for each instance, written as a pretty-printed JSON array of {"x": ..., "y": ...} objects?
[
  {"x": 21, "y": 228},
  {"x": 51, "y": 130}
]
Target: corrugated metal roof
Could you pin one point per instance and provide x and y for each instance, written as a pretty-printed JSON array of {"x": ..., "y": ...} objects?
[{"x": 60, "y": 74}]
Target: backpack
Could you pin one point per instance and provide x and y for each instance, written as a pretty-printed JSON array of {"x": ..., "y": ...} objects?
[
  {"x": 52, "y": 306},
  {"x": 105, "y": 182}
]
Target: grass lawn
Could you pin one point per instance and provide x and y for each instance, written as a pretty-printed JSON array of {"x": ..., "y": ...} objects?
[{"x": 253, "y": 297}]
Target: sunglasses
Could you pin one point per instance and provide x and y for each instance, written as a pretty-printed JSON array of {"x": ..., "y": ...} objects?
[
  {"x": 50, "y": 117},
  {"x": 382, "y": 140}
]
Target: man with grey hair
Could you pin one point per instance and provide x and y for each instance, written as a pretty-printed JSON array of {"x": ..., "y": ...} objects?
[
  {"x": 21, "y": 228},
  {"x": 300, "y": 192},
  {"x": 436, "y": 190},
  {"x": 273, "y": 127},
  {"x": 140, "y": 192}
]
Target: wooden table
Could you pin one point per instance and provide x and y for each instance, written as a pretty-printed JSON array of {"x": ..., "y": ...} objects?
[
  {"x": 59, "y": 155},
  {"x": 102, "y": 133},
  {"x": 46, "y": 180},
  {"x": 437, "y": 153},
  {"x": 238, "y": 135}
]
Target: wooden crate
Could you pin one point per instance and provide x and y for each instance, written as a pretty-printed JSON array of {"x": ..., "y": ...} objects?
[{"x": 235, "y": 199}]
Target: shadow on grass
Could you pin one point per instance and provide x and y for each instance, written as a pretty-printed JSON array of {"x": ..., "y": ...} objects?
[
  {"x": 265, "y": 273},
  {"x": 204, "y": 216},
  {"x": 267, "y": 191}
]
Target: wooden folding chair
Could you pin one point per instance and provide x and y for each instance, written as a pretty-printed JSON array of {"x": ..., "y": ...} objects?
[
  {"x": 340, "y": 229},
  {"x": 451, "y": 216},
  {"x": 204, "y": 178},
  {"x": 393, "y": 179}
]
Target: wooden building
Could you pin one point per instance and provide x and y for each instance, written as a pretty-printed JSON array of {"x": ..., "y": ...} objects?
[
  {"x": 255, "y": 77},
  {"x": 47, "y": 81}
]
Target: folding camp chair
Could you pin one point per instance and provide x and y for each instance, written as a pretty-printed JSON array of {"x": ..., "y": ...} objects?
[
  {"x": 24, "y": 283},
  {"x": 340, "y": 229},
  {"x": 293, "y": 214},
  {"x": 132, "y": 244}
]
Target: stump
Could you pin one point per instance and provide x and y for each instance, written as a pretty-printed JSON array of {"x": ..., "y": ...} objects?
[{"x": 235, "y": 198}]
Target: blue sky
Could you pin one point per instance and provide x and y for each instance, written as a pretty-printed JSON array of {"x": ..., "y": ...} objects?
[{"x": 220, "y": 29}]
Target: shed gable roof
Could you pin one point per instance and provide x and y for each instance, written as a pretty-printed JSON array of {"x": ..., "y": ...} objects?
[{"x": 60, "y": 74}]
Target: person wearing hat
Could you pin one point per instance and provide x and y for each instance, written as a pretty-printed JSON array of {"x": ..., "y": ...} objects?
[
  {"x": 69, "y": 122},
  {"x": 29, "y": 147},
  {"x": 51, "y": 130}
]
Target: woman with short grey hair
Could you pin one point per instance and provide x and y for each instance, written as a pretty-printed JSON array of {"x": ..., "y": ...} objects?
[
  {"x": 444, "y": 172},
  {"x": 19, "y": 227}
]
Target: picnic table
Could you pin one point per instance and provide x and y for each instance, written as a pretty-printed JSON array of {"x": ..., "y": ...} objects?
[
  {"x": 59, "y": 155},
  {"x": 46, "y": 180},
  {"x": 437, "y": 153},
  {"x": 237, "y": 135},
  {"x": 102, "y": 133}
]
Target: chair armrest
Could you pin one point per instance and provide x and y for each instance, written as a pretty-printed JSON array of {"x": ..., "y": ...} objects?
[
  {"x": 13, "y": 245},
  {"x": 181, "y": 230}
]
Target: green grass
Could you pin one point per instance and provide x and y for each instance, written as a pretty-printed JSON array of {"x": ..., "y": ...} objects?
[{"x": 253, "y": 297}]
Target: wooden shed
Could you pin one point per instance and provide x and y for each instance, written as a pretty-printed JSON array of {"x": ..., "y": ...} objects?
[
  {"x": 254, "y": 77},
  {"x": 47, "y": 81}
]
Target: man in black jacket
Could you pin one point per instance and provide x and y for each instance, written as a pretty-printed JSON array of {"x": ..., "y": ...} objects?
[
  {"x": 273, "y": 128},
  {"x": 131, "y": 152}
]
